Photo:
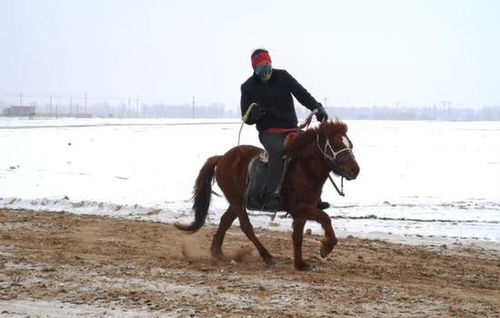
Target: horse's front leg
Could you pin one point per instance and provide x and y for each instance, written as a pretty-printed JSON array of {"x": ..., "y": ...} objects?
[
  {"x": 310, "y": 212},
  {"x": 297, "y": 236}
]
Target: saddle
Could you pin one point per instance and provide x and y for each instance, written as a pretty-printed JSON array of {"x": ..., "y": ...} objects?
[{"x": 254, "y": 199}]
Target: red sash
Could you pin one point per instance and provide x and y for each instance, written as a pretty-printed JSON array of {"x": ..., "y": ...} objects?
[{"x": 282, "y": 130}]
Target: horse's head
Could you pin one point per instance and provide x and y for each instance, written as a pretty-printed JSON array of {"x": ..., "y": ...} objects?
[{"x": 336, "y": 147}]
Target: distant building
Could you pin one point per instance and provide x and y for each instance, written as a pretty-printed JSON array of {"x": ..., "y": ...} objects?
[
  {"x": 83, "y": 115},
  {"x": 20, "y": 111}
]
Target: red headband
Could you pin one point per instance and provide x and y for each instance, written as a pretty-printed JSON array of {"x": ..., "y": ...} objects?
[{"x": 262, "y": 56}]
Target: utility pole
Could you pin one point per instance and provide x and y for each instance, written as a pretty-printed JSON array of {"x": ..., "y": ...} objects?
[
  {"x": 70, "y": 105},
  {"x": 193, "y": 105},
  {"x": 129, "y": 109},
  {"x": 50, "y": 106},
  {"x": 446, "y": 106},
  {"x": 85, "y": 101},
  {"x": 137, "y": 105},
  {"x": 20, "y": 98}
]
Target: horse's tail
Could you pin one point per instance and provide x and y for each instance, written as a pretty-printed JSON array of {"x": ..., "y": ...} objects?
[{"x": 201, "y": 195}]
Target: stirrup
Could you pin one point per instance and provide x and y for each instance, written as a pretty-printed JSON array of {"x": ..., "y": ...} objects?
[{"x": 322, "y": 205}]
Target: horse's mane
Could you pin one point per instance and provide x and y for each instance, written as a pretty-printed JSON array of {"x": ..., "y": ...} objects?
[{"x": 327, "y": 128}]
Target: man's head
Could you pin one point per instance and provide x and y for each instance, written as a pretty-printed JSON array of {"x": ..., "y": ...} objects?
[{"x": 261, "y": 63}]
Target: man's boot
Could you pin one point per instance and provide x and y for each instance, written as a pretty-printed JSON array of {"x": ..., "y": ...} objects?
[{"x": 322, "y": 205}]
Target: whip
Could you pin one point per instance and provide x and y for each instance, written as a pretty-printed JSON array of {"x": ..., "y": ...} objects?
[{"x": 244, "y": 119}]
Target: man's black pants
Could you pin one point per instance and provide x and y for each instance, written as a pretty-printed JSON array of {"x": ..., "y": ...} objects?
[{"x": 273, "y": 143}]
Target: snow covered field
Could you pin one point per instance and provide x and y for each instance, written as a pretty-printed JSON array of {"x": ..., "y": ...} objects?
[{"x": 438, "y": 180}]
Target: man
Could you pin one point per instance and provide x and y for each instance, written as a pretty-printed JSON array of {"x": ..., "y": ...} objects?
[{"x": 272, "y": 90}]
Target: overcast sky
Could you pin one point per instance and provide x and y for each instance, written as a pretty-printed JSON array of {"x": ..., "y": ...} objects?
[{"x": 354, "y": 53}]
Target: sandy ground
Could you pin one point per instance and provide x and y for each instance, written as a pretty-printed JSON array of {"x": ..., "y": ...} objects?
[{"x": 63, "y": 265}]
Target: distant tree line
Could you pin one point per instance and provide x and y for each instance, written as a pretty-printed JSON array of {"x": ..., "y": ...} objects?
[
  {"x": 128, "y": 110},
  {"x": 485, "y": 113},
  {"x": 142, "y": 109}
]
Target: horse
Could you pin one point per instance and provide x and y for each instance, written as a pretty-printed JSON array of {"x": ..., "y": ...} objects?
[{"x": 314, "y": 153}]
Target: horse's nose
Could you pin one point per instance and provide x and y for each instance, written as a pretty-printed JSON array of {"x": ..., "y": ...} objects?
[{"x": 354, "y": 171}]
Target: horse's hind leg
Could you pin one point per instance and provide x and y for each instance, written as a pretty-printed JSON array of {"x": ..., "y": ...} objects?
[
  {"x": 247, "y": 228},
  {"x": 225, "y": 222}
]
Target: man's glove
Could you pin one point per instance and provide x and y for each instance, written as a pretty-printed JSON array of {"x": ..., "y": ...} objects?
[
  {"x": 257, "y": 112},
  {"x": 321, "y": 114}
]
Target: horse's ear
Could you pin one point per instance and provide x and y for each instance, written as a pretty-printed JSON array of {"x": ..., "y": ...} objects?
[{"x": 349, "y": 140}]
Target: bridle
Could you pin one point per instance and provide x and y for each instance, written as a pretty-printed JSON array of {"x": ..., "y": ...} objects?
[
  {"x": 333, "y": 157},
  {"x": 336, "y": 161}
]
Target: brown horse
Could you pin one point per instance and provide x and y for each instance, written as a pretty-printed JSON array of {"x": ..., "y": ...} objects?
[{"x": 314, "y": 153}]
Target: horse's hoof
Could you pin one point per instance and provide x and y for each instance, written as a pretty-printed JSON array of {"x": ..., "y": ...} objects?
[
  {"x": 302, "y": 266},
  {"x": 326, "y": 249},
  {"x": 270, "y": 261},
  {"x": 218, "y": 255}
]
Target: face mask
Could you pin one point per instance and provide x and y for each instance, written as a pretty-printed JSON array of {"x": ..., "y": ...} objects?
[{"x": 263, "y": 71}]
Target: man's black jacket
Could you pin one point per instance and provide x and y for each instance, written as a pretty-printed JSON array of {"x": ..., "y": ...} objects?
[{"x": 276, "y": 96}]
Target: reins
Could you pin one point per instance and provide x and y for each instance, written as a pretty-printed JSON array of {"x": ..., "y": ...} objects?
[
  {"x": 244, "y": 119},
  {"x": 308, "y": 120},
  {"x": 304, "y": 125},
  {"x": 341, "y": 190}
]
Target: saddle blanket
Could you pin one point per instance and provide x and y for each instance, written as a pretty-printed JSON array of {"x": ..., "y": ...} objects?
[{"x": 256, "y": 182}]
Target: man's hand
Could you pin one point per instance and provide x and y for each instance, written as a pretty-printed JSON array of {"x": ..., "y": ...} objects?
[
  {"x": 321, "y": 114},
  {"x": 257, "y": 112}
]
